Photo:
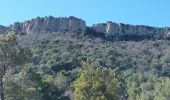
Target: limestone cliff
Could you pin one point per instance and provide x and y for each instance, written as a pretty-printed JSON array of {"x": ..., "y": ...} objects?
[
  {"x": 72, "y": 24},
  {"x": 49, "y": 24},
  {"x": 112, "y": 29}
]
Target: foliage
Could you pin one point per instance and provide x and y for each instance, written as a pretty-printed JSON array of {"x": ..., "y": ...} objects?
[
  {"x": 146, "y": 86},
  {"x": 141, "y": 67},
  {"x": 11, "y": 56},
  {"x": 33, "y": 84},
  {"x": 96, "y": 83}
]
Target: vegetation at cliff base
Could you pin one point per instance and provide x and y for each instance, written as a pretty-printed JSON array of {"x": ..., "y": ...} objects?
[{"x": 72, "y": 66}]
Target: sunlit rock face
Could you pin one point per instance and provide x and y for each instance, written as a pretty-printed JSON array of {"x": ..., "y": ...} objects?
[
  {"x": 112, "y": 29},
  {"x": 50, "y": 24},
  {"x": 108, "y": 30}
]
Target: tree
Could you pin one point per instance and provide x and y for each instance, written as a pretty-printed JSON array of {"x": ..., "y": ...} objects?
[
  {"x": 96, "y": 83},
  {"x": 11, "y": 55},
  {"x": 34, "y": 84}
]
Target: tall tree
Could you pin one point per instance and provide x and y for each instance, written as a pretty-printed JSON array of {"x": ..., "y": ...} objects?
[
  {"x": 96, "y": 83},
  {"x": 11, "y": 55}
]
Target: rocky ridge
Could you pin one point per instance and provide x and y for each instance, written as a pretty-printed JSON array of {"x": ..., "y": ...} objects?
[
  {"x": 49, "y": 24},
  {"x": 115, "y": 29},
  {"x": 72, "y": 24}
]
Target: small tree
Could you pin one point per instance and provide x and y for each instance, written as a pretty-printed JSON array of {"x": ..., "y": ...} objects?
[
  {"x": 96, "y": 83},
  {"x": 11, "y": 55}
]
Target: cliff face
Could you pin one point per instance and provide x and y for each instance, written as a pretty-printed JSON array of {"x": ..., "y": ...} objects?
[
  {"x": 107, "y": 30},
  {"x": 50, "y": 24},
  {"x": 112, "y": 29}
]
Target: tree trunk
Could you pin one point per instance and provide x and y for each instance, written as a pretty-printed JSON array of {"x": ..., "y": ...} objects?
[{"x": 2, "y": 89}]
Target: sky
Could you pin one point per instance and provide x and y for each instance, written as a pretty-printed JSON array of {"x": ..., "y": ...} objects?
[{"x": 142, "y": 12}]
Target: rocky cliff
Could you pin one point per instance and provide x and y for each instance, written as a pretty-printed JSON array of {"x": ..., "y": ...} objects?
[
  {"x": 115, "y": 29},
  {"x": 49, "y": 24},
  {"x": 72, "y": 24}
]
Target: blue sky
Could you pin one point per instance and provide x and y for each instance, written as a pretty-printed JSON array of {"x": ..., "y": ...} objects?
[{"x": 146, "y": 12}]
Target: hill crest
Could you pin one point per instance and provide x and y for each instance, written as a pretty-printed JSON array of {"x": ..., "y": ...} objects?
[{"x": 109, "y": 30}]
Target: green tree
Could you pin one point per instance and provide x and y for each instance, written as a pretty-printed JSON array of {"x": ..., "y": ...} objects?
[
  {"x": 33, "y": 84},
  {"x": 11, "y": 55},
  {"x": 96, "y": 83}
]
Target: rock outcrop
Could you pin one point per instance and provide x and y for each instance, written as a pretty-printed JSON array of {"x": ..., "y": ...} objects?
[
  {"x": 115, "y": 29},
  {"x": 49, "y": 24},
  {"x": 108, "y": 30}
]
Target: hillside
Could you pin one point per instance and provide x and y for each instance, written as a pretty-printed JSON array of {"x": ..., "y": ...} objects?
[{"x": 70, "y": 60}]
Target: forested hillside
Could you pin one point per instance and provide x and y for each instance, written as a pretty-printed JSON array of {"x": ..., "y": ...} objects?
[{"x": 68, "y": 65}]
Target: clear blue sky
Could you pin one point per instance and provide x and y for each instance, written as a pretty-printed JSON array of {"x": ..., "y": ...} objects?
[{"x": 146, "y": 12}]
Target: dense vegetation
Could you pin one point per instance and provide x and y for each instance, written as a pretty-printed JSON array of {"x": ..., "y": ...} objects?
[{"x": 66, "y": 66}]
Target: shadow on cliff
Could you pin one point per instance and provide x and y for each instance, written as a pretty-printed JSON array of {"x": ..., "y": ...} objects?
[{"x": 91, "y": 33}]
